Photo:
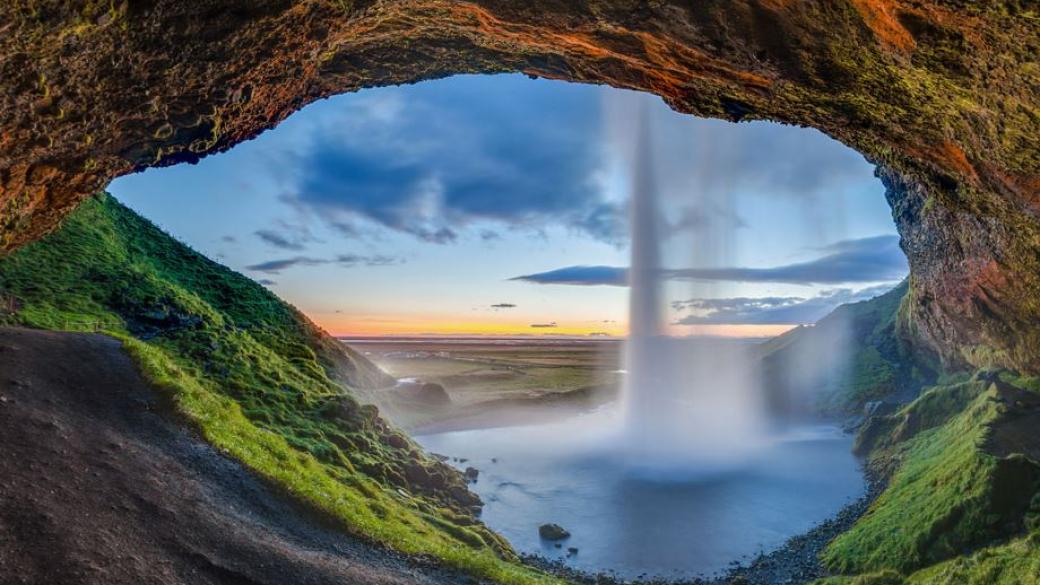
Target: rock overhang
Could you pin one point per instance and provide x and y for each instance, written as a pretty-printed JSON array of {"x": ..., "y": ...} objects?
[{"x": 943, "y": 97}]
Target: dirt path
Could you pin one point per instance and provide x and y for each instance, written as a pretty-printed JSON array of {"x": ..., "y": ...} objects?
[{"x": 98, "y": 486}]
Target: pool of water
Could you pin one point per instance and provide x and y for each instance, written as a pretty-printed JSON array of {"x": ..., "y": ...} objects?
[{"x": 677, "y": 523}]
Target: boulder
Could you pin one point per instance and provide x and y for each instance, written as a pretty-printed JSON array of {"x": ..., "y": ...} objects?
[
  {"x": 553, "y": 532},
  {"x": 420, "y": 394}
]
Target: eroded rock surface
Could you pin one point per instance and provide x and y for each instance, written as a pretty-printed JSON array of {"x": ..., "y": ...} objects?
[{"x": 941, "y": 94}]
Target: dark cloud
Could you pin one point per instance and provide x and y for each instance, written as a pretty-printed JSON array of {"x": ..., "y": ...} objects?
[
  {"x": 770, "y": 310},
  {"x": 864, "y": 260},
  {"x": 873, "y": 259},
  {"x": 279, "y": 240},
  {"x": 503, "y": 306},
  {"x": 343, "y": 260},
  {"x": 544, "y": 325},
  {"x": 376, "y": 260},
  {"x": 580, "y": 275},
  {"x": 228, "y": 239},
  {"x": 276, "y": 266},
  {"x": 489, "y": 235},
  {"x": 266, "y": 282},
  {"x": 433, "y": 159}
]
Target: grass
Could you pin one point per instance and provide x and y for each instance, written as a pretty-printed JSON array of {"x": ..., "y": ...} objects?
[
  {"x": 948, "y": 495},
  {"x": 256, "y": 378},
  {"x": 1014, "y": 563},
  {"x": 478, "y": 372},
  {"x": 265, "y": 385},
  {"x": 880, "y": 363}
]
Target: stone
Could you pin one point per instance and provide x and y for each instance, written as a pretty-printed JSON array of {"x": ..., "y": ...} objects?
[
  {"x": 397, "y": 441},
  {"x": 553, "y": 531}
]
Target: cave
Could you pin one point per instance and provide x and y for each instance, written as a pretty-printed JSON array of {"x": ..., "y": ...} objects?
[{"x": 940, "y": 95}]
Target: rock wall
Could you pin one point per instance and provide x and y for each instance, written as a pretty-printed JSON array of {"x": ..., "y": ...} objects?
[{"x": 942, "y": 94}]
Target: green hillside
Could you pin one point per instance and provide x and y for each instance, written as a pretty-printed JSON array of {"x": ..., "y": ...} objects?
[
  {"x": 857, "y": 354},
  {"x": 960, "y": 453},
  {"x": 255, "y": 377}
]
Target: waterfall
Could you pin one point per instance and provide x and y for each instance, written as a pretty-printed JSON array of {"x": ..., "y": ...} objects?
[{"x": 690, "y": 404}]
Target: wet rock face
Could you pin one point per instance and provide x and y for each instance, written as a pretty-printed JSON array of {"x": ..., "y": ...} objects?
[{"x": 940, "y": 94}]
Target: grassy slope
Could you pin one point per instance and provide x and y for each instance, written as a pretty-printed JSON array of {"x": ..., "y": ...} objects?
[
  {"x": 949, "y": 494},
  {"x": 256, "y": 377},
  {"x": 878, "y": 364}
]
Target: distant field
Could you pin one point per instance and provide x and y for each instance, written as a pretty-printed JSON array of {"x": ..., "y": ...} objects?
[{"x": 481, "y": 375}]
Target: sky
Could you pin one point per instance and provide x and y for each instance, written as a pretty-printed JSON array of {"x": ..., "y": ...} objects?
[{"x": 497, "y": 205}]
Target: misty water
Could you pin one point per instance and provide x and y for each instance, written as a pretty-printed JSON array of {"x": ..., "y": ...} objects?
[
  {"x": 689, "y": 472},
  {"x": 679, "y": 524}
]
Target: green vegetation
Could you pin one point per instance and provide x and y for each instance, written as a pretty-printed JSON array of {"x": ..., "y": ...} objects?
[
  {"x": 481, "y": 372},
  {"x": 264, "y": 384},
  {"x": 962, "y": 503},
  {"x": 948, "y": 496},
  {"x": 880, "y": 363},
  {"x": 485, "y": 381},
  {"x": 256, "y": 378},
  {"x": 1015, "y": 563},
  {"x": 957, "y": 484}
]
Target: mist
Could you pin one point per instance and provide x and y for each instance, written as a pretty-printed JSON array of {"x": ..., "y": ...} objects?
[{"x": 690, "y": 406}]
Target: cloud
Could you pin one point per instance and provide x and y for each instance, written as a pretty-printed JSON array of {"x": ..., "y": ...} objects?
[
  {"x": 228, "y": 239},
  {"x": 278, "y": 240},
  {"x": 376, "y": 260},
  {"x": 431, "y": 160},
  {"x": 503, "y": 306},
  {"x": 712, "y": 157},
  {"x": 770, "y": 310},
  {"x": 580, "y": 275},
  {"x": 276, "y": 266},
  {"x": 544, "y": 325},
  {"x": 864, "y": 260},
  {"x": 266, "y": 282},
  {"x": 873, "y": 259},
  {"x": 343, "y": 260}
]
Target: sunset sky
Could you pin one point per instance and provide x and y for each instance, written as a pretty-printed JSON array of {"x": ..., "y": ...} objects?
[{"x": 497, "y": 205}]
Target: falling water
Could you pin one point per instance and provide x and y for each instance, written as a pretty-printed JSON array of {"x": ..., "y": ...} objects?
[{"x": 691, "y": 405}]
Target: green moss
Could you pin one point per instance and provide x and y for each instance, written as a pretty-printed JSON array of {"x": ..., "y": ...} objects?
[
  {"x": 986, "y": 357},
  {"x": 1016, "y": 563},
  {"x": 255, "y": 377},
  {"x": 948, "y": 495}
]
